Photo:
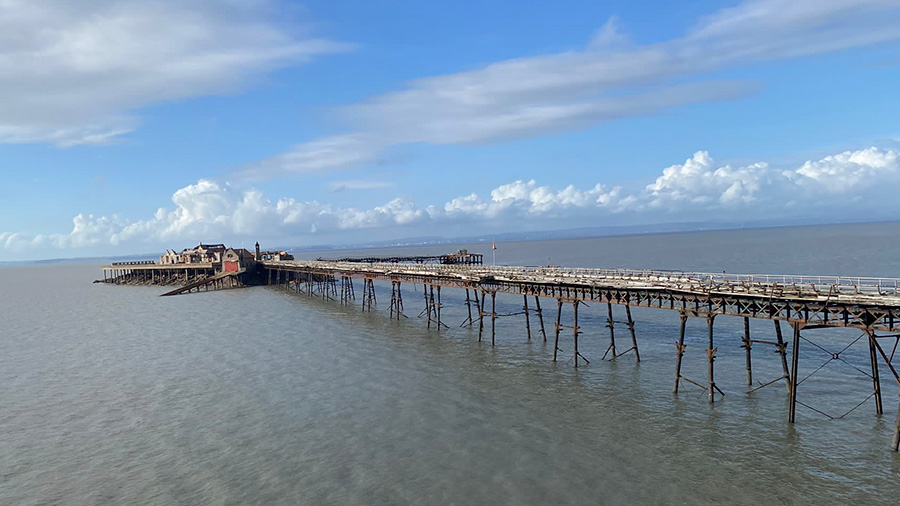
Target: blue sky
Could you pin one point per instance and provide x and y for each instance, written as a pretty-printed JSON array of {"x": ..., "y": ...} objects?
[{"x": 133, "y": 126}]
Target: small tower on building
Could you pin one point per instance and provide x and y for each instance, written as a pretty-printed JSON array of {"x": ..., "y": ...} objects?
[{"x": 257, "y": 252}]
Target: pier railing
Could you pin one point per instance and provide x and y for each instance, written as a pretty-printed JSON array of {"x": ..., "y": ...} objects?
[{"x": 704, "y": 282}]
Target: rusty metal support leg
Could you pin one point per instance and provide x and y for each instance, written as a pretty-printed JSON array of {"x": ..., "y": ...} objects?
[
  {"x": 559, "y": 305},
  {"x": 398, "y": 302},
  {"x": 711, "y": 360},
  {"x": 369, "y": 294},
  {"x": 427, "y": 304},
  {"x": 393, "y": 297},
  {"x": 876, "y": 380},
  {"x": 575, "y": 331},
  {"x": 438, "y": 308},
  {"x": 679, "y": 347},
  {"x": 634, "y": 345},
  {"x": 431, "y": 301},
  {"x": 469, "y": 307},
  {"x": 612, "y": 332},
  {"x": 792, "y": 410},
  {"x": 782, "y": 350},
  {"x": 432, "y": 310},
  {"x": 747, "y": 346},
  {"x": 537, "y": 303},
  {"x": 481, "y": 315},
  {"x": 493, "y": 317},
  {"x": 527, "y": 320},
  {"x": 895, "y": 445}
]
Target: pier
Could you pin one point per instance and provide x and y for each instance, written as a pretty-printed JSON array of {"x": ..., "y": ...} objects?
[
  {"x": 793, "y": 304},
  {"x": 462, "y": 257},
  {"x": 151, "y": 273}
]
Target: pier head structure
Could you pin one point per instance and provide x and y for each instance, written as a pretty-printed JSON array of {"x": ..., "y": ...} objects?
[
  {"x": 202, "y": 268},
  {"x": 793, "y": 305}
]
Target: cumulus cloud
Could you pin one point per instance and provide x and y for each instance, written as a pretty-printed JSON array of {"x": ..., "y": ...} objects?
[
  {"x": 609, "y": 79},
  {"x": 70, "y": 72},
  {"x": 849, "y": 170},
  {"x": 210, "y": 209},
  {"x": 529, "y": 199},
  {"x": 698, "y": 183}
]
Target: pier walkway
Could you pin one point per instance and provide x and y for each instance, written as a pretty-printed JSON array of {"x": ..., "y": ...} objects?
[{"x": 832, "y": 301}]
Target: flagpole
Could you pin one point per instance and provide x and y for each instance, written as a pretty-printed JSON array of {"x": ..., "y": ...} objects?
[{"x": 493, "y": 252}]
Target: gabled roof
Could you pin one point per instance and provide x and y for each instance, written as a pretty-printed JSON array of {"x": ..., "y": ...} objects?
[{"x": 242, "y": 252}]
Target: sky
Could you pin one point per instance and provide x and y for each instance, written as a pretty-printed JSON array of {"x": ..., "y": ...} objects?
[{"x": 137, "y": 126}]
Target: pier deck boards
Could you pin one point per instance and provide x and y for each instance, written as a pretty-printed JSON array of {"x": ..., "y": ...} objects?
[
  {"x": 155, "y": 266},
  {"x": 832, "y": 301}
]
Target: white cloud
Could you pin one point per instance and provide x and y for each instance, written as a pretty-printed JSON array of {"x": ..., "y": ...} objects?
[
  {"x": 611, "y": 78},
  {"x": 526, "y": 199},
  {"x": 848, "y": 171},
  {"x": 335, "y": 153},
  {"x": 12, "y": 241},
  {"x": 209, "y": 209},
  {"x": 698, "y": 183},
  {"x": 72, "y": 72},
  {"x": 610, "y": 36}
]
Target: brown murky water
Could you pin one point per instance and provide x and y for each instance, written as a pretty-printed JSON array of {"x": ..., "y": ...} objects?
[{"x": 112, "y": 395}]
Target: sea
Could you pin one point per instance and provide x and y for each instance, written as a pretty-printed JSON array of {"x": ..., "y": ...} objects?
[{"x": 112, "y": 395}]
